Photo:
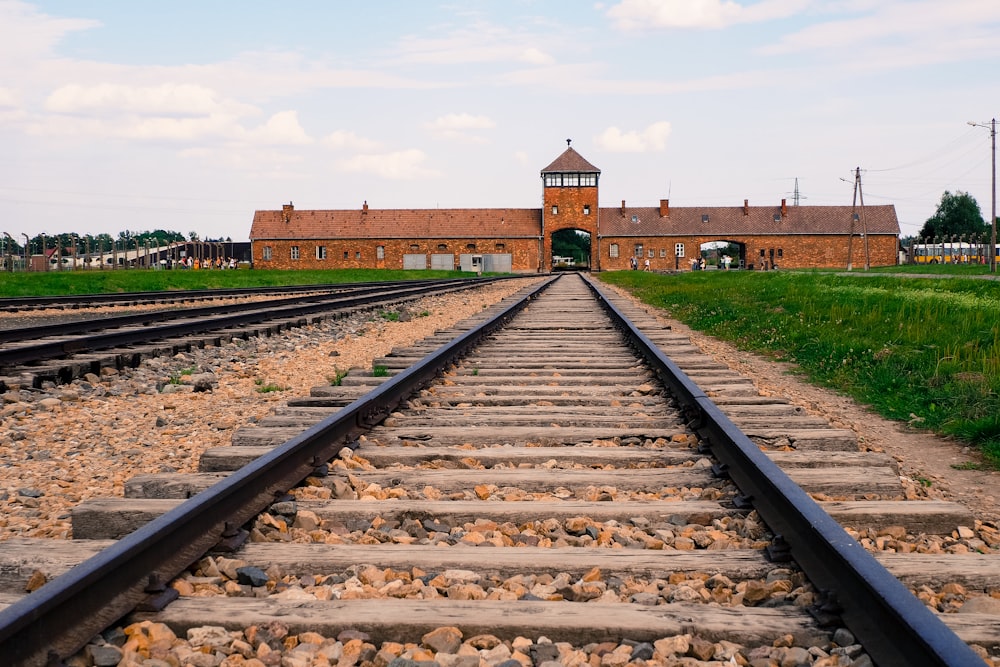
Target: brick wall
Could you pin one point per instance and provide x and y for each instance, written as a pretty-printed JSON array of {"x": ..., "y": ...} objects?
[
  {"x": 363, "y": 253},
  {"x": 790, "y": 251},
  {"x": 570, "y": 203}
]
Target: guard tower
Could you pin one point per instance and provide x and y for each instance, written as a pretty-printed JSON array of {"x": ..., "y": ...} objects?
[{"x": 569, "y": 202}]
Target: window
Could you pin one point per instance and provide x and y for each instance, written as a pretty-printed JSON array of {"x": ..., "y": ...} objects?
[
  {"x": 414, "y": 247},
  {"x": 638, "y": 250},
  {"x": 267, "y": 253},
  {"x": 678, "y": 250},
  {"x": 586, "y": 209},
  {"x": 357, "y": 254},
  {"x": 442, "y": 246},
  {"x": 321, "y": 252},
  {"x": 570, "y": 180},
  {"x": 663, "y": 252},
  {"x": 345, "y": 254},
  {"x": 650, "y": 253},
  {"x": 613, "y": 250},
  {"x": 635, "y": 218},
  {"x": 780, "y": 254},
  {"x": 704, "y": 217},
  {"x": 777, "y": 217},
  {"x": 555, "y": 210},
  {"x": 294, "y": 252},
  {"x": 380, "y": 252},
  {"x": 470, "y": 246},
  {"x": 500, "y": 246},
  {"x": 761, "y": 252}
]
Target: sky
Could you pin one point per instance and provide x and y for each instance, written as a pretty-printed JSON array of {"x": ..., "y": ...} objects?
[{"x": 189, "y": 115}]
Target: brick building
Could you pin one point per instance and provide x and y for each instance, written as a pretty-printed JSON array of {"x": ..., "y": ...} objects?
[{"x": 520, "y": 240}]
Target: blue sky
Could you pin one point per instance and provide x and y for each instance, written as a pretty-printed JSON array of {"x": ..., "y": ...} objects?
[{"x": 189, "y": 116}]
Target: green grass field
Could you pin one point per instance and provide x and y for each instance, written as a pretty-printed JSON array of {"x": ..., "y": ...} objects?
[
  {"x": 99, "y": 282},
  {"x": 919, "y": 350}
]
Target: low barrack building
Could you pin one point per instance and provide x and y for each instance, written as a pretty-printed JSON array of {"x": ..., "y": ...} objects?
[{"x": 519, "y": 240}]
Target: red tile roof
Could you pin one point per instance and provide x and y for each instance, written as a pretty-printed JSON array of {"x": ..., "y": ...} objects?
[
  {"x": 731, "y": 221},
  {"x": 520, "y": 223},
  {"x": 570, "y": 160},
  {"x": 397, "y": 223}
]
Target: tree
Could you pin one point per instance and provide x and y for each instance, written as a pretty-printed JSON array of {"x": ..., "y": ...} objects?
[{"x": 958, "y": 214}]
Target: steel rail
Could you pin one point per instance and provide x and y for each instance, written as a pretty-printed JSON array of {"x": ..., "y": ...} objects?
[
  {"x": 193, "y": 325},
  {"x": 894, "y": 627},
  {"x": 96, "y": 324},
  {"x": 58, "y": 619},
  {"x": 79, "y": 300}
]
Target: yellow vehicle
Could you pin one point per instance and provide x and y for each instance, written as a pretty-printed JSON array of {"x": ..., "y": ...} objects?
[{"x": 952, "y": 253}]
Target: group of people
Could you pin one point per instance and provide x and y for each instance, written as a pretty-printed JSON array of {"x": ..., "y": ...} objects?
[
  {"x": 635, "y": 264},
  {"x": 697, "y": 264},
  {"x": 206, "y": 263}
]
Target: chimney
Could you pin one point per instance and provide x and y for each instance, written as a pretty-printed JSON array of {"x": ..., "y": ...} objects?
[
  {"x": 364, "y": 207},
  {"x": 784, "y": 209},
  {"x": 746, "y": 207},
  {"x": 286, "y": 212},
  {"x": 623, "y": 207},
  {"x": 664, "y": 208}
]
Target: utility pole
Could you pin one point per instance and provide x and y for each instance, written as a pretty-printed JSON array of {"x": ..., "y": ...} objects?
[
  {"x": 855, "y": 217},
  {"x": 992, "y": 125}
]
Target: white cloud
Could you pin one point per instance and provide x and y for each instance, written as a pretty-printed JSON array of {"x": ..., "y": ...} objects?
[
  {"x": 461, "y": 121},
  {"x": 653, "y": 138},
  {"x": 25, "y": 33},
  {"x": 8, "y": 98},
  {"x": 281, "y": 129},
  {"x": 482, "y": 42},
  {"x": 133, "y": 127},
  {"x": 915, "y": 29},
  {"x": 400, "y": 165},
  {"x": 167, "y": 99},
  {"x": 458, "y": 126},
  {"x": 534, "y": 56},
  {"x": 342, "y": 139},
  {"x": 640, "y": 14}
]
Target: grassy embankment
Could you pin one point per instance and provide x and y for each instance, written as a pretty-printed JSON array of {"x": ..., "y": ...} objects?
[
  {"x": 919, "y": 350},
  {"x": 97, "y": 282}
]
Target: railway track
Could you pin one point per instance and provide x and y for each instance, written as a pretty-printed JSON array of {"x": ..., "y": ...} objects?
[
  {"x": 30, "y": 356},
  {"x": 177, "y": 297},
  {"x": 558, "y": 480}
]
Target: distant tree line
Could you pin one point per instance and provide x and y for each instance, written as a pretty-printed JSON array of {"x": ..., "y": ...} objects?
[{"x": 98, "y": 243}]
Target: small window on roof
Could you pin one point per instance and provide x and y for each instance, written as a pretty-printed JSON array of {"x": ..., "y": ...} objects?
[
  {"x": 635, "y": 218},
  {"x": 777, "y": 217},
  {"x": 704, "y": 217},
  {"x": 856, "y": 217}
]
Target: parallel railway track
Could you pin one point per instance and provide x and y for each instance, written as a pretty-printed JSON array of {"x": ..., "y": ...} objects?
[
  {"x": 60, "y": 352},
  {"x": 545, "y": 467},
  {"x": 182, "y": 297}
]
